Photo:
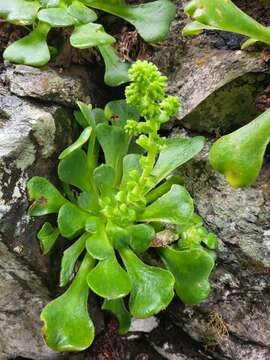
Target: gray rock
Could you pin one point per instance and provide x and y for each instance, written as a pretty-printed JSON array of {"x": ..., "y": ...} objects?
[
  {"x": 22, "y": 296},
  {"x": 218, "y": 87},
  {"x": 31, "y": 137},
  {"x": 51, "y": 85}
]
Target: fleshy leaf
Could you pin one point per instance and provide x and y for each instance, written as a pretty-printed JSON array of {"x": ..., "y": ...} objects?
[
  {"x": 81, "y": 13},
  {"x": 20, "y": 12},
  {"x": 131, "y": 162},
  {"x": 67, "y": 324},
  {"x": 89, "y": 35},
  {"x": 239, "y": 155},
  {"x": 141, "y": 237},
  {"x": 152, "y": 287},
  {"x": 163, "y": 188},
  {"x": 119, "y": 236},
  {"x": 191, "y": 269},
  {"x": 69, "y": 259},
  {"x": 31, "y": 49},
  {"x": 116, "y": 70},
  {"x": 226, "y": 16},
  {"x": 152, "y": 20},
  {"x": 109, "y": 280},
  {"x": 82, "y": 139},
  {"x": 97, "y": 243},
  {"x": 117, "y": 307},
  {"x": 118, "y": 112},
  {"x": 71, "y": 220},
  {"x": 56, "y": 17},
  {"x": 47, "y": 199},
  {"x": 175, "y": 207},
  {"x": 177, "y": 152},
  {"x": 196, "y": 28},
  {"x": 47, "y": 236},
  {"x": 114, "y": 143},
  {"x": 104, "y": 177},
  {"x": 74, "y": 170},
  {"x": 88, "y": 201}
]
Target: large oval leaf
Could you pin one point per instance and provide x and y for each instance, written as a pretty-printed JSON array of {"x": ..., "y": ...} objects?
[
  {"x": 89, "y": 35},
  {"x": 97, "y": 243},
  {"x": 47, "y": 199},
  {"x": 71, "y": 220},
  {"x": 81, "y": 13},
  {"x": 74, "y": 170},
  {"x": 175, "y": 207},
  {"x": 116, "y": 70},
  {"x": 191, "y": 269},
  {"x": 67, "y": 325},
  {"x": 152, "y": 20},
  {"x": 152, "y": 287},
  {"x": 20, "y": 12},
  {"x": 56, "y": 17},
  {"x": 141, "y": 237},
  {"x": 109, "y": 280},
  {"x": 114, "y": 142},
  {"x": 31, "y": 49},
  {"x": 176, "y": 153}
]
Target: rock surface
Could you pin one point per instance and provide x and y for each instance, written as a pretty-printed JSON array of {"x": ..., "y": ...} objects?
[
  {"x": 50, "y": 85},
  {"x": 218, "y": 85},
  {"x": 22, "y": 296}
]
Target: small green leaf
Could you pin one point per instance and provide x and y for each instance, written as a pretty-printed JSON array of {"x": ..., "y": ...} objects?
[
  {"x": 47, "y": 236},
  {"x": 71, "y": 220},
  {"x": 141, "y": 237},
  {"x": 81, "y": 13},
  {"x": 93, "y": 117},
  {"x": 20, "y": 12},
  {"x": 152, "y": 20},
  {"x": 69, "y": 259},
  {"x": 98, "y": 244},
  {"x": 88, "y": 201},
  {"x": 74, "y": 170},
  {"x": 109, "y": 280},
  {"x": 163, "y": 188},
  {"x": 177, "y": 152},
  {"x": 191, "y": 269},
  {"x": 31, "y": 49},
  {"x": 82, "y": 139},
  {"x": 196, "y": 28},
  {"x": 175, "y": 207},
  {"x": 152, "y": 287},
  {"x": 67, "y": 325},
  {"x": 117, "y": 307},
  {"x": 131, "y": 162},
  {"x": 56, "y": 17},
  {"x": 116, "y": 70},
  {"x": 47, "y": 199},
  {"x": 118, "y": 112},
  {"x": 119, "y": 236},
  {"x": 89, "y": 35},
  {"x": 104, "y": 178},
  {"x": 114, "y": 143}
]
